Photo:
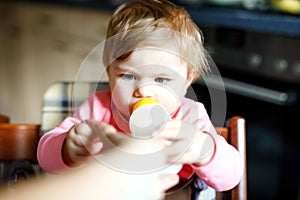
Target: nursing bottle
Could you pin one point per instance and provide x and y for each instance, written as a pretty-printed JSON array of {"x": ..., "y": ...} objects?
[{"x": 146, "y": 119}]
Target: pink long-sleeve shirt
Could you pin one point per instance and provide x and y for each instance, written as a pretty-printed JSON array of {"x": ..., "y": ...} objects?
[{"x": 222, "y": 172}]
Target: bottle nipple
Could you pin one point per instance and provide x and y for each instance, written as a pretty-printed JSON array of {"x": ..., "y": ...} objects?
[
  {"x": 147, "y": 117},
  {"x": 144, "y": 102}
]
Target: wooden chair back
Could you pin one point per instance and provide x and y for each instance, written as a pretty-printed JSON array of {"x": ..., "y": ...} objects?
[
  {"x": 235, "y": 134},
  {"x": 18, "y": 141}
]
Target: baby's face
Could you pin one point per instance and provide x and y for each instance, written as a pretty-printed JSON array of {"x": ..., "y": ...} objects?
[{"x": 148, "y": 73}]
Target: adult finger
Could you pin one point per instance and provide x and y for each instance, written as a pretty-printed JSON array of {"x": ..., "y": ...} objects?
[{"x": 168, "y": 180}]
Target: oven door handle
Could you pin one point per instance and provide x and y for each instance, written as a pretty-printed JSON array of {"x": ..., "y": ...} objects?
[{"x": 250, "y": 90}]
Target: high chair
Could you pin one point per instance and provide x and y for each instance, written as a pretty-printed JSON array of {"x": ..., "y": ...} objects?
[
  {"x": 235, "y": 134},
  {"x": 18, "y": 145},
  {"x": 59, "y": 100}
]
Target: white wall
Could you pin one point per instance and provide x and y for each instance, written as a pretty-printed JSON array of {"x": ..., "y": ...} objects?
[{"x": 39, "y": 46}]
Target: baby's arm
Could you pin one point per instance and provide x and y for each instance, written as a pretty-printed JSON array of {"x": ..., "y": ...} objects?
[
  {"x": 49, "y": 152},
  {"x": 224, "y": 170},
  {"x": 65, "y": 147},
  {"x": 216, "y": 162}
]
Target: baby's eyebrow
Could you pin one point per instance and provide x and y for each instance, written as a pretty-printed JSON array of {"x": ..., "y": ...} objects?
[
  {"x": 124, "y": 67},
  {"x": 167, "y": 73},
  {"x": 163, "y": 75}
]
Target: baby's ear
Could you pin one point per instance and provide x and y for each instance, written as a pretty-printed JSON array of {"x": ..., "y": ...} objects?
[
  {"x": 192, "y": 76},
  {"x": 107, "y": 69}
]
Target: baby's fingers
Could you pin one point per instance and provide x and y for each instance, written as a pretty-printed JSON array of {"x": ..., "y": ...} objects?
[
  {"x": 85, "y": 133},
  {"x": 176, "y": 131},
  {"x": 108, "y": 134},
  {"x": 101, "y": 128},
  {"x": 96, "y": 147}
]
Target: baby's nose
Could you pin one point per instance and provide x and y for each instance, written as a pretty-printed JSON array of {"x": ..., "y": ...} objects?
[{"x": 145, "y": 91}]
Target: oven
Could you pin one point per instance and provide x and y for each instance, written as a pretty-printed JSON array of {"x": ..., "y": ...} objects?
[{"x": 261, "y": 77}]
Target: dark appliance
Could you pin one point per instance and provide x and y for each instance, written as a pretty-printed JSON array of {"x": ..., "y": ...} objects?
[{"x": 261, "y": 75}]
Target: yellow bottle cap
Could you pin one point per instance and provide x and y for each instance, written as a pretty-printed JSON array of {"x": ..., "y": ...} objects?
[{"x": 144, "y": 102}]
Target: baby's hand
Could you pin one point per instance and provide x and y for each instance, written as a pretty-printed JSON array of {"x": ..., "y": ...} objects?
[
  {"x": 186, "y": 144},
  {"x": 80, "y": 143}
]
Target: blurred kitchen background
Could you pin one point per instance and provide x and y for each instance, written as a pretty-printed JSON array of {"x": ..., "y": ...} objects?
[{"x": 255, "y": 44}]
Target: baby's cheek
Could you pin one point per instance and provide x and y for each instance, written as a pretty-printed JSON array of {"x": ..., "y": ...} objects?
[
  {"x": 122, "y": 97},
  {"x": 172, "y": 106}
]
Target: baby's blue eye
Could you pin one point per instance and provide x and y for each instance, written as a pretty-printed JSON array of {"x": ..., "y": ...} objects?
[
  {"x": 128, "y": 76},
  {"x": 160, "y": 80}
]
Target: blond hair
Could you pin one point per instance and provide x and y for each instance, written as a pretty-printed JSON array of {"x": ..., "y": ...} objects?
[{"x": 155, "y": 23}]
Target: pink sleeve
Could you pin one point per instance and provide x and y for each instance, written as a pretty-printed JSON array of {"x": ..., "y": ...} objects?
[
  {"x": 49, "y": 152},
  {"x": 225, "y": 169}
]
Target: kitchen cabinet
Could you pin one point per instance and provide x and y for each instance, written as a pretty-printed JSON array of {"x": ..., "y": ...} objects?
[
  {"x": 264, "y": 22},
  {"x": 42, "y": 44}
]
